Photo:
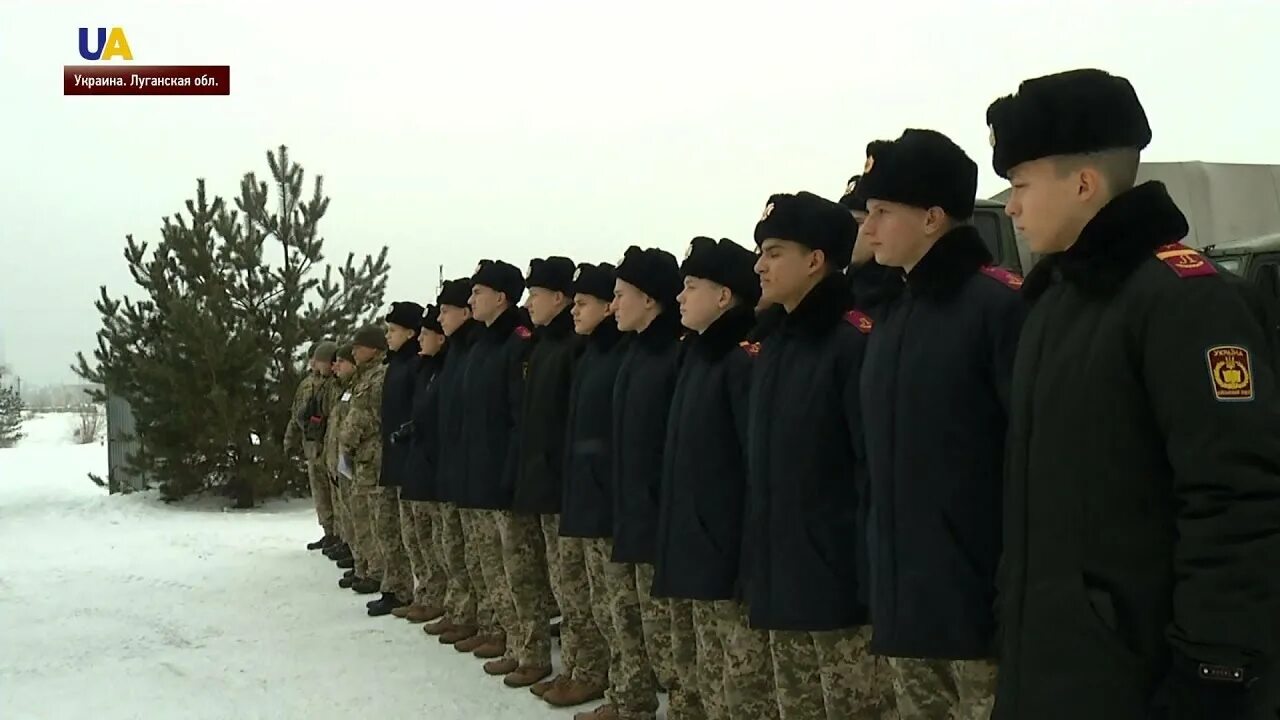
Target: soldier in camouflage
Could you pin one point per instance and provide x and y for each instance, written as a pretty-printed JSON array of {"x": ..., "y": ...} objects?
[
  {"x": 360, "y": 441},
  {"x": 306, "y": 432},
  {"x": 337, "y": 404}
]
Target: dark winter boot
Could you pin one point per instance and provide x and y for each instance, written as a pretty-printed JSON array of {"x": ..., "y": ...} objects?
[
  {"x": 347, "y": 581},
  {"x": 321, "y": 543},
  {"x": 366, "y": 586},
  {"x": 347, "y": 562},
  {"x": 334, "y": 541},
  {"x": 333, "y": 552},
  {"x": 349, "y": 573},
  {"x": 385, "y": 605}
]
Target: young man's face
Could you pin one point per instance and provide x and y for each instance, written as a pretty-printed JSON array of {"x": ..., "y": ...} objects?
[
  {"x": 486, "y": 304},
  {"x": 429, "y": 342},
  {"x": 588, "y": 312},
  {"x": 1044, "y": 205},
  {"x": 786, "y": 269},
  {"x": 364, "y": 354},
  {"x": 397, "y": 336},
  {"x": 895, "y": 233},
  {"x": 345, "y": 368},
  {"x": 453, "y": 317},
  {"x": 862, "y": 251},
  {"x": 544, "y": 305},
  {"x": 324, "y": 368},
  {"x": 702, "y": 302},
  {"x": 630, "y": 306}
]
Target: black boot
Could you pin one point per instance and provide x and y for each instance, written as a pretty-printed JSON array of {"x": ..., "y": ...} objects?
[
  {"x": 347, "y": 581},
  {"x": 342, "y": 554},
  {"x": 366, "y": 586},
  {"x": 349, "y": 574},
  {"x": 332, "y": 551},
  {"x": 384, "y": 606},
  {"x": 321, "y": 543},
  {"x": 334, "y": 541},
  {"x": 347, "y": 562},
  {"x": 375, "y": 601}
]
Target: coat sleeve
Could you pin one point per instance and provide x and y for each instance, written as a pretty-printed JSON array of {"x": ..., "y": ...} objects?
[
  {"x": 517, "y": 355},
  {"x": 738, "y": 377},
  {"x": 1209, "y": 371},
  {"x": 1004, "y": 326}
]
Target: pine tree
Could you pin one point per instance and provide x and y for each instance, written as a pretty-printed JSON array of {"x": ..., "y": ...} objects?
[
  {"x": 11, "y": 409},
  {"x": 210, "y": 357}
]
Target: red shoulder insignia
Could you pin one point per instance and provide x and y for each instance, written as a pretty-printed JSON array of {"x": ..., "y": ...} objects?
[
  {"x": 1010, "y": 278},
  {"x": 860, "y": 320},
  {"x": 751, "y": 348},
  {"x": 1185, "y": 261},
  {"x": 523, "y": 333}
]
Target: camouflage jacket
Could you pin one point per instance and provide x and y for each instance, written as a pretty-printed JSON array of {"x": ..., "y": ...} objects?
[
  {"x": 294, "y": 437},
  {"x": 361, "y": 433},
  {"x": 336, "y": 401}
]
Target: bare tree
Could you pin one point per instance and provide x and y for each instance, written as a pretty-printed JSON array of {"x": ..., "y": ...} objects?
[{"x": 89, "y": 424}]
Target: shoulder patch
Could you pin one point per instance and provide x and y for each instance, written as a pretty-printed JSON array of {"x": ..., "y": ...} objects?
[
  {"x": 751, "y": 348},
  {"x": 1230, "y": 372},
  {"x": 1008, "y": 277},
  {"x": 860, "y": 320},
  {"x": 523, "y": 333},
  {"x": 1185, "y": 261}
]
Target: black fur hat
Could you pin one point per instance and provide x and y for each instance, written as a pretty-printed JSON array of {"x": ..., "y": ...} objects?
[
  {"x": 853, "y": 198},
  {"x": 724, "y": 262},
  {"x": 371, "y": 337},
  {"x": 1069, "y": 113},
  {"x": 431, "y": 319},
  {"x": 455, "y": 293},
  {"x": 595, "y": 280},
  {"x": 406, "y": 314},
  {"x": 812, "y": 221},
  {"x": 654, "y": 271},
  {"x": 925, "y": 169},
  {"x": 554, "y": 273},
  {"x": 502, "y": 277}
]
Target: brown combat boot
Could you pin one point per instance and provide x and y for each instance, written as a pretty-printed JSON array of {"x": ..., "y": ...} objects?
[
  {"x": 456, "y": 633},
  {"x": 501, "y": 666},
  {"x": 571, "y": 693},
  {"x": 422, "y": 613},
  {"x": 604, "y": 712},
  {"x": 439, "y": 627},
  {"x": 541, "y": 688},
  {"x": 526, "y": 675},
  {"x": 470, "y": 644},
  {"x": 402, "y": 611},
  {"x": 494, "y": 648}
]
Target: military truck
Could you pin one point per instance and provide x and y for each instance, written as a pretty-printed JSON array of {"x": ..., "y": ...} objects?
[{"x": 1233, "y": 211}]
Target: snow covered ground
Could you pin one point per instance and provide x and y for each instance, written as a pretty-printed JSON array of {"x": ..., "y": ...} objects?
[{"x": 123, "y": 607}]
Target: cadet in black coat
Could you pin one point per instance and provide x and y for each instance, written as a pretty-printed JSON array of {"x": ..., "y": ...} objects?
[
  {"x": 645, "y": 305},
  {"x": 529, "y": 543},
  {"x": 586, "y": 515},
  {"x": 803, "y": 544},
  {"x": 464, "y": 581},
  {"x": 493, "y": 389},
  {"x": 419, "y": 492},
  {"x": 704, "y": 483},
  {"x": 935, "y": 395},
  {"x": 1142, "y": 512}
]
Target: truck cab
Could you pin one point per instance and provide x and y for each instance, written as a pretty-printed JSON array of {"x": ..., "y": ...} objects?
[
  {"x": 997, "y": 231},
  {"x": 1255, "y": 259}
]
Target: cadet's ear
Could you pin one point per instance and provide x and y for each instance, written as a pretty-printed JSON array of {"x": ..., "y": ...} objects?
[
  {"x": 817, "y": 261},
  {"x": 1089, "y": 183}
]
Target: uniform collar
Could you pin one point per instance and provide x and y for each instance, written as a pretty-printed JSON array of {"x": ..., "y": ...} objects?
[
  {"x": 821, "y": 309},
  {"x": 955, "y": 257},
  {"x": 605, "y": 335},
  {"x": 560, "y": 327},
  {"x": 1124, "y": 233},
  {"x": 506, "y": 323},
  {"x": 664, "y": 329},
  {"x": 726, "y": 332}
]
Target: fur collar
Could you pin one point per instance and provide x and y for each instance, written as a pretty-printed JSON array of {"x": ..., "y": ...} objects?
[
  {"x": 606, "y": 334},
  {"x": 664, "y": 330},
  {"x": 872, "y": 283},
  {"x": 726, "y": 332},
  {"x": 560, "y": 327},
  {"x": 466, "y": 334},
  {"x": 952, "y": 260},
  {"x": 821, "y": 309},
  {"x": 407, "y": 353},
  {"x": 505, "y": 325},
  {"x": 1124, "y": 233}
]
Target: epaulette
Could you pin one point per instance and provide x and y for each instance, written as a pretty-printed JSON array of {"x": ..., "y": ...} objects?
[
  {"x": 860, "y": 320},
  {"x": 751, "y": 348},
  {"x": 1009, "y": 278},
  {"x": 1185, "y": 261},
  {"x": 523, "y": 333}
]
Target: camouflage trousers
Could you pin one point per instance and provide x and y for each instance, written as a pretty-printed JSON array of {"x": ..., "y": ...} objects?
[
  {"x": 683, "y": 690},
  {"x": 342, "y": 511},
  {"x": 595, "y": 554},
  {"x": 642, "y": 633},
  {"x": 830, "y": 674},
  {"x": 459, "y": 595},
  {"x": 364, "y": 546},
  {"x": 396, "y": 576},
  {"x": 525, "y": 563},
  {"x": 496, "y": 611},
  {"x": 584, "y": 653},
  {"x": 944, "y": 689},
  {"x": 417, "y": 526},
  {"x": 321, "y": 490},
  {"x": 734, "y": 671}
]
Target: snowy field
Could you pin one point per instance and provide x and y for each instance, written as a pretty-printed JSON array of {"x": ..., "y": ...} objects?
[{"x": 123, "y": 607}]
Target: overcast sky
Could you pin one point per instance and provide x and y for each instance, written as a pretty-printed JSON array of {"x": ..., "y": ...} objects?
[{"x": 454, "y": 131}]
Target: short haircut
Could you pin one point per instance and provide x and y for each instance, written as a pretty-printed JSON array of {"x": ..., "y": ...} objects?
[{"x": 1119, "y": 167}]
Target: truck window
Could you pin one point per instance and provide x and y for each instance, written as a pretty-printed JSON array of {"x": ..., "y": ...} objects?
[
  {"x": 987, "y": 221},
  {"x": 1267, "y": 278},
  {"x": 1231, "y": 264}
]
